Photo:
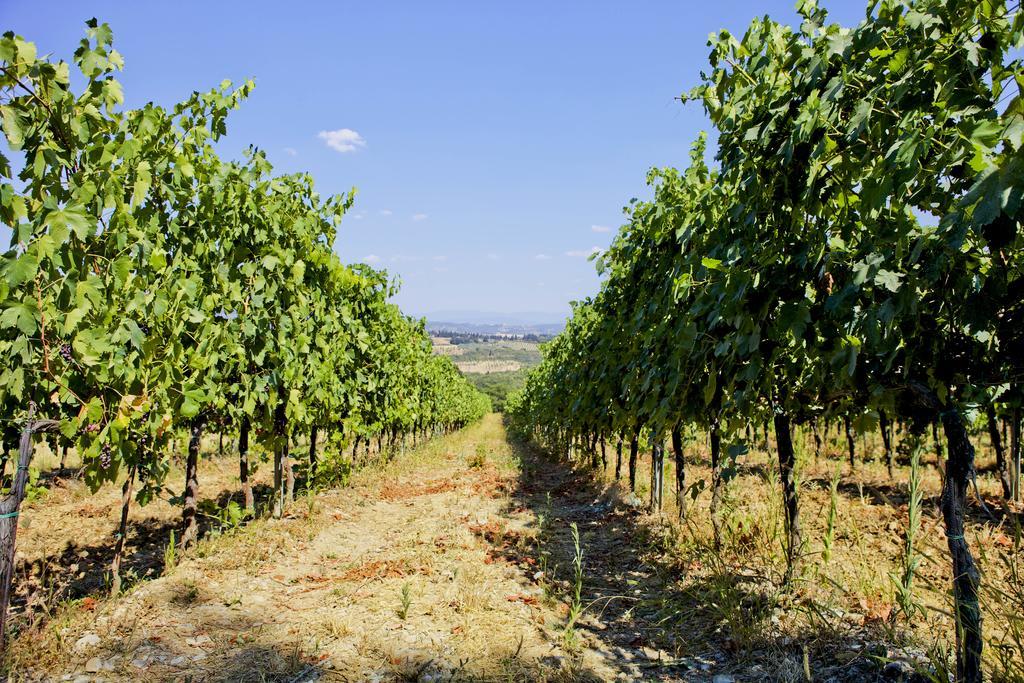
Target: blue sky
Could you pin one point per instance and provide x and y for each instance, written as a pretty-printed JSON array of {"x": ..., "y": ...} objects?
[{"x": 493, "y": 144}]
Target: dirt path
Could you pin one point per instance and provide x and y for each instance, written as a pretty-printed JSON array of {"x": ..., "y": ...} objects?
[{"x": 428, "y": 570}]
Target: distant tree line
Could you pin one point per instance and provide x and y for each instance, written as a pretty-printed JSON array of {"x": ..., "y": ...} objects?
[{"x": 458, "y": 338}]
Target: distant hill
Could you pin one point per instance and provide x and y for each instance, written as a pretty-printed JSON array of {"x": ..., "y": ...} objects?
[
  {"x": 542, "y": 330},
  {"x": 494, "y": 318},
  {"x": 485, "y": 322}
]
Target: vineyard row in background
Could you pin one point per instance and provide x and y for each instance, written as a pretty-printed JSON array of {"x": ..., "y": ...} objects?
[
  {"x": 852, "y": 256},
  {"x": 154, "y": 291}
]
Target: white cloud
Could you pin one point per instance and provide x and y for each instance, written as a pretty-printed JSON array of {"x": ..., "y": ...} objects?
[
  {"x": 576, "y": 253},
  {"x": 600, "y": 228},
  {"x": 371, "y": 258},
  {"x": 343, "y": 140},
  {"x": 493, "y": 257},
  {"x": 441, "y": 258},
  {"x": 542, "y": 257},
  {"x": 385, "y": 212},
  {"x": 419, "y": 216},
  {"x": 438, "y": 269},
  {"x": 291, "y": 151},
  {"x": 359, "y": 215}
]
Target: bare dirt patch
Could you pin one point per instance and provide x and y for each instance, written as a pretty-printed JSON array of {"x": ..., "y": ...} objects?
[
  {"x": 384, "y": 581},
  {"x": 405, "y": 490},
  {"x": 380, "y": 569}
]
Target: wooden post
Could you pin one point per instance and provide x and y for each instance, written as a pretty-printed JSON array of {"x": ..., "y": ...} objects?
[
  {"x": 10, "y": 508},
  {"x": 849, "y": 441},
  {"x": 677, "y": 450},
  {"x": 634, "y": 448},
  {"x": 313, "y": 431},
  {"x": 1015, "y": 454},
  {"x": 883, "y": 424},
  {"x": 716, "y": 479},
  {"x": 618, "y": 459},
  {"x": 243, "y": 465},
  {"x": 787, "y": 462},
  {"x": 966, "y": 579},
  {"x": 122, "y": 531},
  {"x": 997, "y": 446},
  {"x": 657, "y": 463},
  {"x": 190, "y": 511}
]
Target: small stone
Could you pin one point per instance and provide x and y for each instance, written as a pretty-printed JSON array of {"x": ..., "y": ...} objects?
[
  {"x": 723, "y": 678},
  {"x": 898, "y": 670},
  {"x": 87, "y": 641},
  {"x": 97, "y": 664},
  {"x": 651, "y": 654},
  {"x": 409, "y": 656},
  {"x": 198, "y": 641},
  {"x": 631, "y": 500},
  {"x": 553, "y": 661},
  {"x": 625, "y": 637}
]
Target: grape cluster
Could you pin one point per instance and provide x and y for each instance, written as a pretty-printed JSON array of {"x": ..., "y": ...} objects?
[
  {"x": 105, "y": 456},
  {"x": 92, "y": 428},
  {"x": 145, "y": 328},
  {"x": 65, "y": 353}
]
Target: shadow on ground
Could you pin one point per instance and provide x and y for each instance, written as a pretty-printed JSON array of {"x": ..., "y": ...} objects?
[
  {"x": 661, "y": 622},
  {"x": 83, "y": 570},
  {"x": 989, "y": 512}
]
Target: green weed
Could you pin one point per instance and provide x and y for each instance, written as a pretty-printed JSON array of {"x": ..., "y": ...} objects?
[{"x": 406, "y": 601}]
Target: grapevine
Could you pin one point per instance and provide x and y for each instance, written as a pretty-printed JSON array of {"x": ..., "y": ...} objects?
[
  {"x": 853, "y": 252},
  {"x": 188, "y": 291}
]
